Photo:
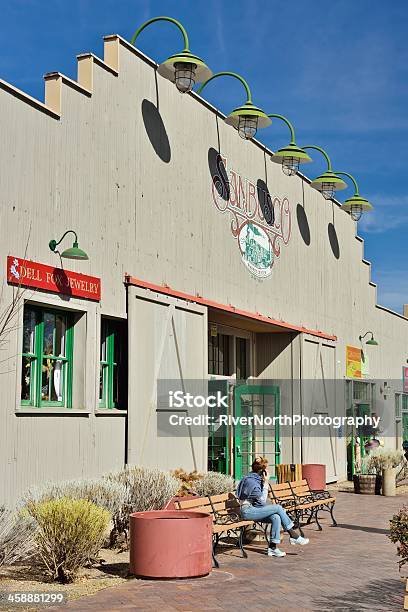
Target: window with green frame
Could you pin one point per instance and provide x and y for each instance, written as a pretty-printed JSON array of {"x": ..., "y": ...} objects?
[
  {"x": 113, "y": 365},
  {"x": 46, "y": 371}
]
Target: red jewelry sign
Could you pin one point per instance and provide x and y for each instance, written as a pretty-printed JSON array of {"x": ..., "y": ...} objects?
[{"x": 55, "y": 280}]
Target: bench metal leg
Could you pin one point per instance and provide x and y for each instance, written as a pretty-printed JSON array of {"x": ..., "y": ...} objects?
[
  {"x": 241, "y": 542},
  {"x": 298, "y": 523},
  {"x": 332, "y": 516},
  {"x": 316, "y": 511},
  {"x": 214, "y": 546}
]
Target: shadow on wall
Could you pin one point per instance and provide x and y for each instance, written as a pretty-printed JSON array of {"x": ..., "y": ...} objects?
[
  {"x": 303, "y": 224},
  {"x": 62, "y": 282},
  {"x": 218, "y": 174},
  {"x": 265, "y": 201},
  {"x": 334, "y": 243},
  {"x": 156, "y": 131}
]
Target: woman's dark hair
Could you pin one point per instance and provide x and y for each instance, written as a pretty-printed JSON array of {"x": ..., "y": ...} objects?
[{"x": 259, "y": 465}]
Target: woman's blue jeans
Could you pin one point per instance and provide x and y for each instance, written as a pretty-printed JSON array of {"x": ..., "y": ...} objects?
[{"x": 270, "y": 513}]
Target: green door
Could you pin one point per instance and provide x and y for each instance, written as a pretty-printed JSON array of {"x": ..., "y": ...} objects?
[
  {"x": 259, "y": 435},
  {"x": 357, "y": 439},
  {"x": 405, "y": 426},
  {"x": 218, "y": 449}
]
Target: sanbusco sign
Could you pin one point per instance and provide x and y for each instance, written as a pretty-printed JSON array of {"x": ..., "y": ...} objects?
[{"x": 259, "y": 223}]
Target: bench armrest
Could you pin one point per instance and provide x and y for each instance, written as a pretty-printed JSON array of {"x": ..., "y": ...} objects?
[{"x": 321, "y": 494}]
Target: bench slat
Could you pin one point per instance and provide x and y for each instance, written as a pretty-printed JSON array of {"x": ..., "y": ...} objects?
[
  {"x": 220, "y": 527},
  {"x": 222, "y": 497}
]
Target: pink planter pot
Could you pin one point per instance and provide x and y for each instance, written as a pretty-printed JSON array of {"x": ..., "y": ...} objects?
[
  {"x": 170, "y": 544},
  {"x": 315, "y": 474}
]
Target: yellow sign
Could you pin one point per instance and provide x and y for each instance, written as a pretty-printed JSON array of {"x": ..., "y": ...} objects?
[{"x": 353, "y": 362}]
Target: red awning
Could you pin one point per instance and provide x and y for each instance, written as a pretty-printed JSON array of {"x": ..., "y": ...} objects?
[{"x": 198, "y": 299}]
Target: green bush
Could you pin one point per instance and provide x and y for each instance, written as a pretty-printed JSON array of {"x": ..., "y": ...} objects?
[
  {"x": 110, "y": 495},
  {"x": 213, "y": 483},
  {"x": 70, "y": 533},
  {"x": 399, "y": 534},
  {"x": 147, "y": 488}
]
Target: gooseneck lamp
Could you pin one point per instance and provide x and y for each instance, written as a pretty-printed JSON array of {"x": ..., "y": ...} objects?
[
  {"x": 355, "y": 205},
  {"x": 371, "y": 341},
  {"x": 290, "y": 156},
  {"x": 184, "y": 68},
  {"x": 328, "y": 182},
  {"x": 247, "y": 118},
  {"x": 74, "y": 252}
]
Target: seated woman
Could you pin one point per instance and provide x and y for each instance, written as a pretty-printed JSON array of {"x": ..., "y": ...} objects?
[{"x": 252, "y": 492}]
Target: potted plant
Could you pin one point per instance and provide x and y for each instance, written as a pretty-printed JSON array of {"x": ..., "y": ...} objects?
[
  {"x": 367, "y": 484},
  {"x": 384, "y": 462}
]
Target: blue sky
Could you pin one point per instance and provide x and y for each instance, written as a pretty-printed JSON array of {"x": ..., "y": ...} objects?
[{"x": 338, "y": 70}]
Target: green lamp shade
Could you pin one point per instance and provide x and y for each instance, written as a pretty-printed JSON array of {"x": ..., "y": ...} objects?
[
  {"x": 372, "y": 342},
  {"x": 355, "y": 201},
  {"x": 248, "y": 110},
  {"x": 168, "y": 68},
  {"x": 74, "y": 253},
  {"x": 328, "y": 178},
  {"x": 292, "y": 150}
]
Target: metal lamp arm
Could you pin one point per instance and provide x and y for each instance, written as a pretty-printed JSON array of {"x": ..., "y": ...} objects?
[
  {"x": 351, "y": 177},
  {"x": 53, "y": 243},
  {"x": 288, "y": 123},
  {"x": 369, "y": 332},
  {"x": 329, "y": 167},
  {"x": 231, "y": 74},
  {"x": 171, "y": 20}
]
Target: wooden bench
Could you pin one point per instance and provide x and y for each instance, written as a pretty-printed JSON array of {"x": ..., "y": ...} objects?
[
  {"x": 227, "y": 521},
  {"x": 301, "y": 503}
]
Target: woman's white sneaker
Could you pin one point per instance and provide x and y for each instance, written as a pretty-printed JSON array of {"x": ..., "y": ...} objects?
[
  {"x": 301, "y": 541},
  {"x": 276, "y": 552}
]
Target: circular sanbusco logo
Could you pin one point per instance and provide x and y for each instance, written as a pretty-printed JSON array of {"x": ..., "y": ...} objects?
[{"x": 256, "y": 250}]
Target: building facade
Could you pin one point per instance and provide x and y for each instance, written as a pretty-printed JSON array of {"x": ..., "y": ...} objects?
[{"x": 210, "y": 263}]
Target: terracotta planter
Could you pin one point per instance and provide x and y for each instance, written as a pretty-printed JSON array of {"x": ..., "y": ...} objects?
[
  {"x": 315, "y": 474},
  {"x": 388, "y": 482},
  {"x": 367, "y": 484},
  {"x": 170, "y": 544}
]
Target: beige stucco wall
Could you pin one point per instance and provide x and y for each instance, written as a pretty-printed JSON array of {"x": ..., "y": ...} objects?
[{"x": 95, "y": 170}]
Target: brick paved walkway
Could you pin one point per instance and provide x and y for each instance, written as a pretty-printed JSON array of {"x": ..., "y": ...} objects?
[{"x": 351, "y": 567}]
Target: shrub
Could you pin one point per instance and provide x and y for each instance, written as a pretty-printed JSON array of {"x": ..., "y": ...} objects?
[
  {"x": 108, "y": 494},
  {"x": 381, "y": 459},
  {"x": 16, "y": 536},
  {"x": 187, "y": 481},
  {"x": 399, "y": 534},
  {"x": 70, "y": 533},
  {"x": 213, "y": 483},
  {"x": 147, "y": 489}
]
